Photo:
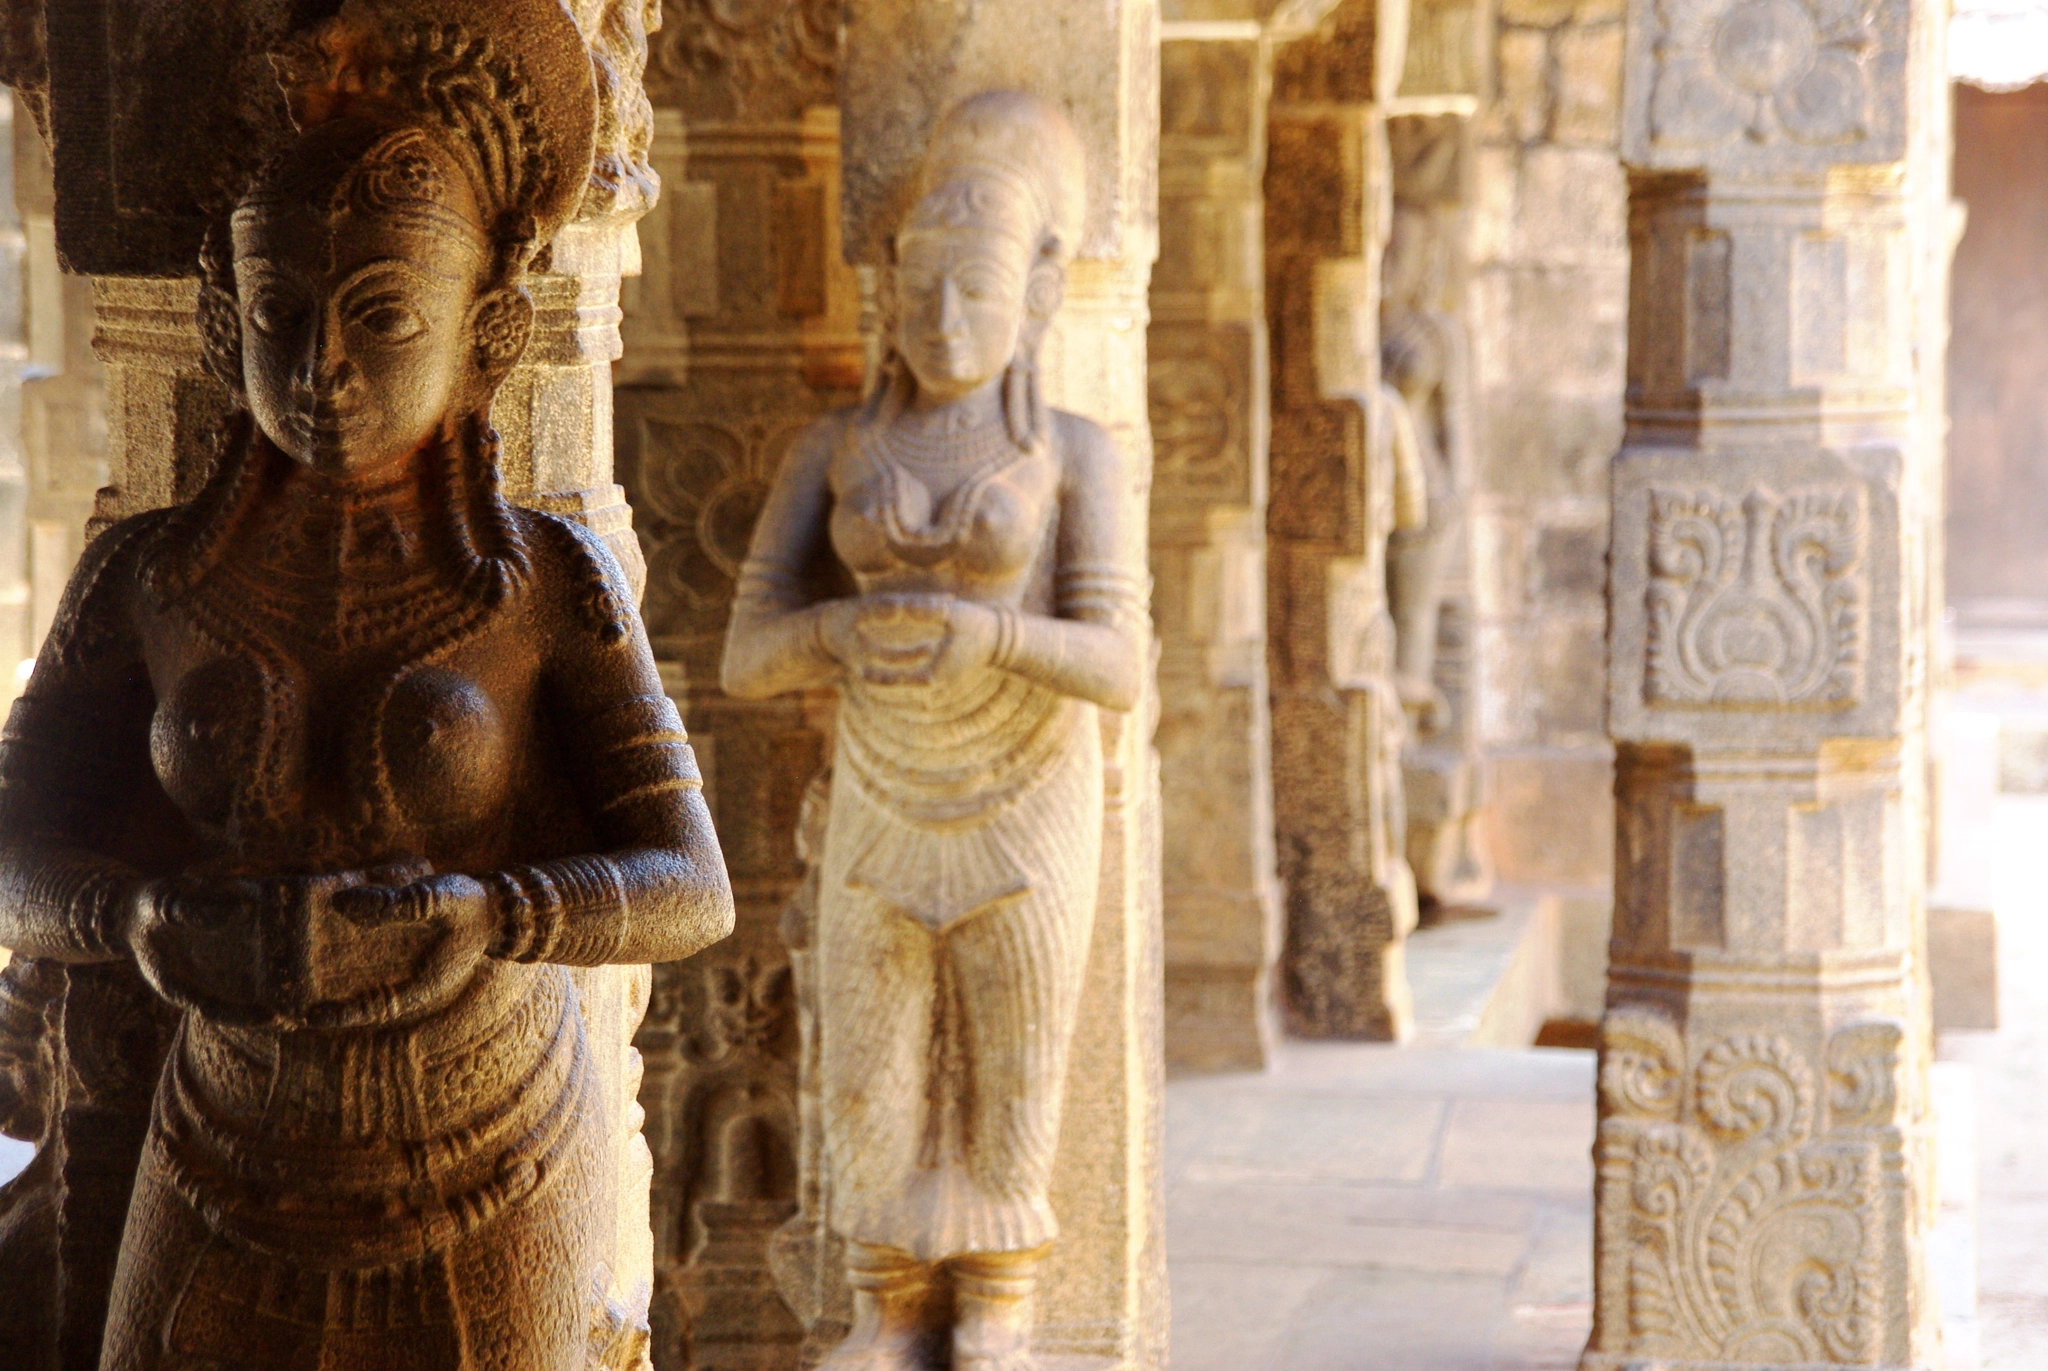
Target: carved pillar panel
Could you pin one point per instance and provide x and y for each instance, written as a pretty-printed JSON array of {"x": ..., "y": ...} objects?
[
  {"x": 1103, "y": 1290},
  {"x": 63, "y": 391},
  {"x": 1209, "y": 433},
  {"x": 1763, "y": 1159},
  {"x": 1337, "y": 723},
  {"x": 743, "y": 329}
]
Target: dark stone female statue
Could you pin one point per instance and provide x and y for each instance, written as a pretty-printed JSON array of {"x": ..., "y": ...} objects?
[{"x": 353, "y": 759}]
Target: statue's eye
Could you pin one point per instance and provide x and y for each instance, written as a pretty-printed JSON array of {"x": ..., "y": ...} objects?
[
  {"x": 980, "y": 285},
  {"x": 391, "y": 322},
  {"x": 273, "y": 312}
]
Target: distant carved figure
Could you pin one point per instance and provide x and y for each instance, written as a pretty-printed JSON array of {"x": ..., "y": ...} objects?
[
  {"x": 1420, "y": 348},
  {"x": 996, "y": 599},
  {"x": 353, "y": 759}
]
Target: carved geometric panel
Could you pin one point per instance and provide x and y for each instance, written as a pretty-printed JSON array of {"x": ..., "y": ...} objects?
[
  {"x": 1760, "y": 602},
  {"x": 1777, "y": 81},
  {"x": 1200, "y": 413}
]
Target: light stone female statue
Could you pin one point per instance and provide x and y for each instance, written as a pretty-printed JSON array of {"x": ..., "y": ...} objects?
[
  {"x": 353, "y": 759},
  {"x": 996, "y": 600}
]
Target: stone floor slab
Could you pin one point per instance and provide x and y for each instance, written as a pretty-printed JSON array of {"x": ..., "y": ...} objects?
[
  {"x": 1318, "y": 1137},
  {"x": 1497, "y": 1144}
]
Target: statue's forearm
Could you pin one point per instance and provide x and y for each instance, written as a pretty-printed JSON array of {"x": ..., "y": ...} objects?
[
  {"x": 646, "y": 905},
  {"x": 61, "y": 904},
  {"x": 772, "y": 650},
  {"x": 1101, "y": 663}
]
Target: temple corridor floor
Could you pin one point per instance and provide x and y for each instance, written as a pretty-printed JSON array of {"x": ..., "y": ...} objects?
[
  {"x": 1365, "y": 1208},
  {"x": 2011, "y": 1068}
]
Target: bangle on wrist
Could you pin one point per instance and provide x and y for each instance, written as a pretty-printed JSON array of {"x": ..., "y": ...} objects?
[{"x": 1007, "y": 625}]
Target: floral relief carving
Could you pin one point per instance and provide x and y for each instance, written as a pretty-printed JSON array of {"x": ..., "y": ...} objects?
[
  {"x": 1753, "y": 1230},
  {"x": 754, "y": 52},
  {"x": 1763, "y": 70},
  {"x": 698, "y": 490},
  {"x": 1758, "y": 602},
  {"x": 1194, "y": 411}
]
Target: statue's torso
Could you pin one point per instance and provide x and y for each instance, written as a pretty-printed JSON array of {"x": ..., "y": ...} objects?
[{"x": 973, "y": 518}]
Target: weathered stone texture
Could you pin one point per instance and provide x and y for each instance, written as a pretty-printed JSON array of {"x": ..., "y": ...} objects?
[
  {"x": 1337, "y": 722},
  {"x": 1208, "y": 383},
  {"x": 1550, "y": 307},
  {"x": 1764, "y": 1050}
]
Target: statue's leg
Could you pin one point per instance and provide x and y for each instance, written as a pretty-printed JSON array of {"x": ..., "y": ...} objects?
[
  {"x": 525, "y": 1284},
  {"x": 992, "y": 1309},
  {"x": 1019, "y": 971},
  {"x": 148, "y": 1276},
  {"x": 876, "y": 981},
  {"x": 1415, "y": 560},
  {"x": 893, "y": 1299}
]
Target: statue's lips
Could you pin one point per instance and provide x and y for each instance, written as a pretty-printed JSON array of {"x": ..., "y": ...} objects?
[{"x": 325, "y": 426}]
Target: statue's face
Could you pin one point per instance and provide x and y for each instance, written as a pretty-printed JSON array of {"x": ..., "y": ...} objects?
[
  {"x": 961, "y": 295},
  {"x": 356, "y": 322}
]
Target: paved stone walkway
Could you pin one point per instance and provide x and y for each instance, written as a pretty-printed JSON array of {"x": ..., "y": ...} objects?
[
  {"x": 2012, "y": 1102},
  {"x": 1364, "y": 1208}
]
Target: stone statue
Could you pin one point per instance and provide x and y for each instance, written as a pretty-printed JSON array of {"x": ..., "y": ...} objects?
[
  {"x": 1425, "y": 363},
  {"x": 352, "y": 759},
  {"x": 949, "y": 557},
  {"x": 1420, "y": 345}
]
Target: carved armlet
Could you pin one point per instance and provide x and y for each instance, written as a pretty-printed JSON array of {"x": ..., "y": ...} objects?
[{"x": 571, "y": 912}]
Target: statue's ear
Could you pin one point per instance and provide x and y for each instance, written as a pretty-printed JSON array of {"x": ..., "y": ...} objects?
[
  {"x": 499, "y": 327},
  {"x": 1044, "y": 292}
]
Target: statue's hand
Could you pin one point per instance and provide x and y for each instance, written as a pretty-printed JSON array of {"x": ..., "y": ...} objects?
[
  {"x": 197, "y": 942},
  {"x": 922, "y": 639},
  {"x": 418, "y": 943},
  {"x": 972, "y": 631},
  {"x": 885, "y": 639}
]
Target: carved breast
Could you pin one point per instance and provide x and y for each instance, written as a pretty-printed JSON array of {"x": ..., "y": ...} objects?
[
  {"x": 442, "y": 740},
  {"x": 445, "y": 750},
  {"x": 988, "y": 527},
  {"x": 206, "y": 739}
]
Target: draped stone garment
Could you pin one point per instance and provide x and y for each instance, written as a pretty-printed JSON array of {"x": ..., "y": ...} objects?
[{"x": 957, "y": 894}]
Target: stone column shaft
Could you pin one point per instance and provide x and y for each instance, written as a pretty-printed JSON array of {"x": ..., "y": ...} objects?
[
  {"x": 1209, "y": 411},
  {"x": 742, "y": 331},
  {"x": 1764, "y": 1160},
  {"x": 1337, "y": 724}
]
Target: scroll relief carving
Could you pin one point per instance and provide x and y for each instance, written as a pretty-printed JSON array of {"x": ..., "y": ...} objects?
[
  {"x": 1759, "y": 602},
  {"x": 1755, "y": 1225},
  {"x": 1770, "y": 71},
  {"x": 1196, "y": 409},
  {"x": 753, "y": 50}
]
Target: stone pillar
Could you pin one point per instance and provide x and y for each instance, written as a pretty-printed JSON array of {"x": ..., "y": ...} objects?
[
  {"x": 1103, "y": 1291},
  {"x": 744, "y": 327},
  {"x": 1209, "y": 433},
  {"x": 16, "y": 599},
  {"x": 1337, "y": 725},
  {"x": 143, "y": 155},
  {"x": 1764, "y": 1173}
]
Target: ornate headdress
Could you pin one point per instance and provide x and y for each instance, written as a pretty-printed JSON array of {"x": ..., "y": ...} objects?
[
  {"x": 1006, "y": 162},
  {"x": 1000, "y": 151}
]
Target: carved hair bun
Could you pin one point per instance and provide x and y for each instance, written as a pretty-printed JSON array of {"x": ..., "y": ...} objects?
[
  {"x": 512, "y": 76},
  {"x": 1014, "y": 138}
]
